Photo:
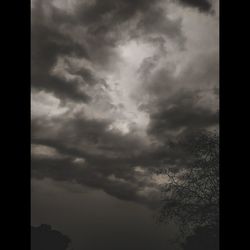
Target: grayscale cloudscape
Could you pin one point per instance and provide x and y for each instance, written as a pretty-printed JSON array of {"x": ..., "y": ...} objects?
[{"x": 113, "y": 82}]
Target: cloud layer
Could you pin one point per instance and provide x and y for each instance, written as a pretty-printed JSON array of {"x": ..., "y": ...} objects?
[{"x": 113, "y": 83}]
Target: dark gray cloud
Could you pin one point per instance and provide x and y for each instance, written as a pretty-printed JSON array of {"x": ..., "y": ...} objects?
[
  {"x": 47, "y": 44},
  {"x": 100, "y": 138},
  {"x": 92, "y": 32},
  {"x": 105, "y": 153},
  {"x": 202, "y": 5},
  {"x": 109, "y": 158},
  {"x": 181, "y": 112}
]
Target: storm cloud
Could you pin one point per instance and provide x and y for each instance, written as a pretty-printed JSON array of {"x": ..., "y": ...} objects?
[
  {"x": 113, "y": 84},
  {"x": 202, "y": 5}
]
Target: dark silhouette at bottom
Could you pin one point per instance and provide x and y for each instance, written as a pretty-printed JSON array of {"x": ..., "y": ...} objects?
[
  {"x": 205, "y": 238},
  {"x": 44, "y": 237}
]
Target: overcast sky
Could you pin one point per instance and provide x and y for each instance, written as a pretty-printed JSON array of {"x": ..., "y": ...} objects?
[{"x": 113, "y": 82}]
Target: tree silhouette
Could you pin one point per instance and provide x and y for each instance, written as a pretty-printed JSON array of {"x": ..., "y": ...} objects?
[
  {"x": 45, "y": 238},
  {"x": 191, "y": 194}
]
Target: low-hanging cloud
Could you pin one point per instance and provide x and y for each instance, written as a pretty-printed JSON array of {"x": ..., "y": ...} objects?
[
  {"x": 202, "y": 5},
  {"x": 97, "y": 115}
]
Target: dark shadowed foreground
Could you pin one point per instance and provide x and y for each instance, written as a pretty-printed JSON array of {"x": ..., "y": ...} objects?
[
  {"x": 191, "y": 194},
  {"x": 205, "y": 238},
  {"x": 45, "y": 238}
]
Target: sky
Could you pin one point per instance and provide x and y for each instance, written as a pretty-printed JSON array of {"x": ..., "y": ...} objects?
[{"x": 113, "y": 83}]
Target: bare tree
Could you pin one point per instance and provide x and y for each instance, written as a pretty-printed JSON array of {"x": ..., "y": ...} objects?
[{"x": 191, "y": 194}]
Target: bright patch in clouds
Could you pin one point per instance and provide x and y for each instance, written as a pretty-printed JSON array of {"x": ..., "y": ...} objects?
[
  {"x": 42, "y": 151},
  {"x": 123, "y": 84},
  {"x": 79, "y": 161},
  {"x": 45, "y": 104}
]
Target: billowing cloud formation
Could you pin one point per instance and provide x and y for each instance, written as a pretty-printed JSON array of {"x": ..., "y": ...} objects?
[
  {"x": 91, "y": 32},
  {"x": 113, "y": 82}
]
